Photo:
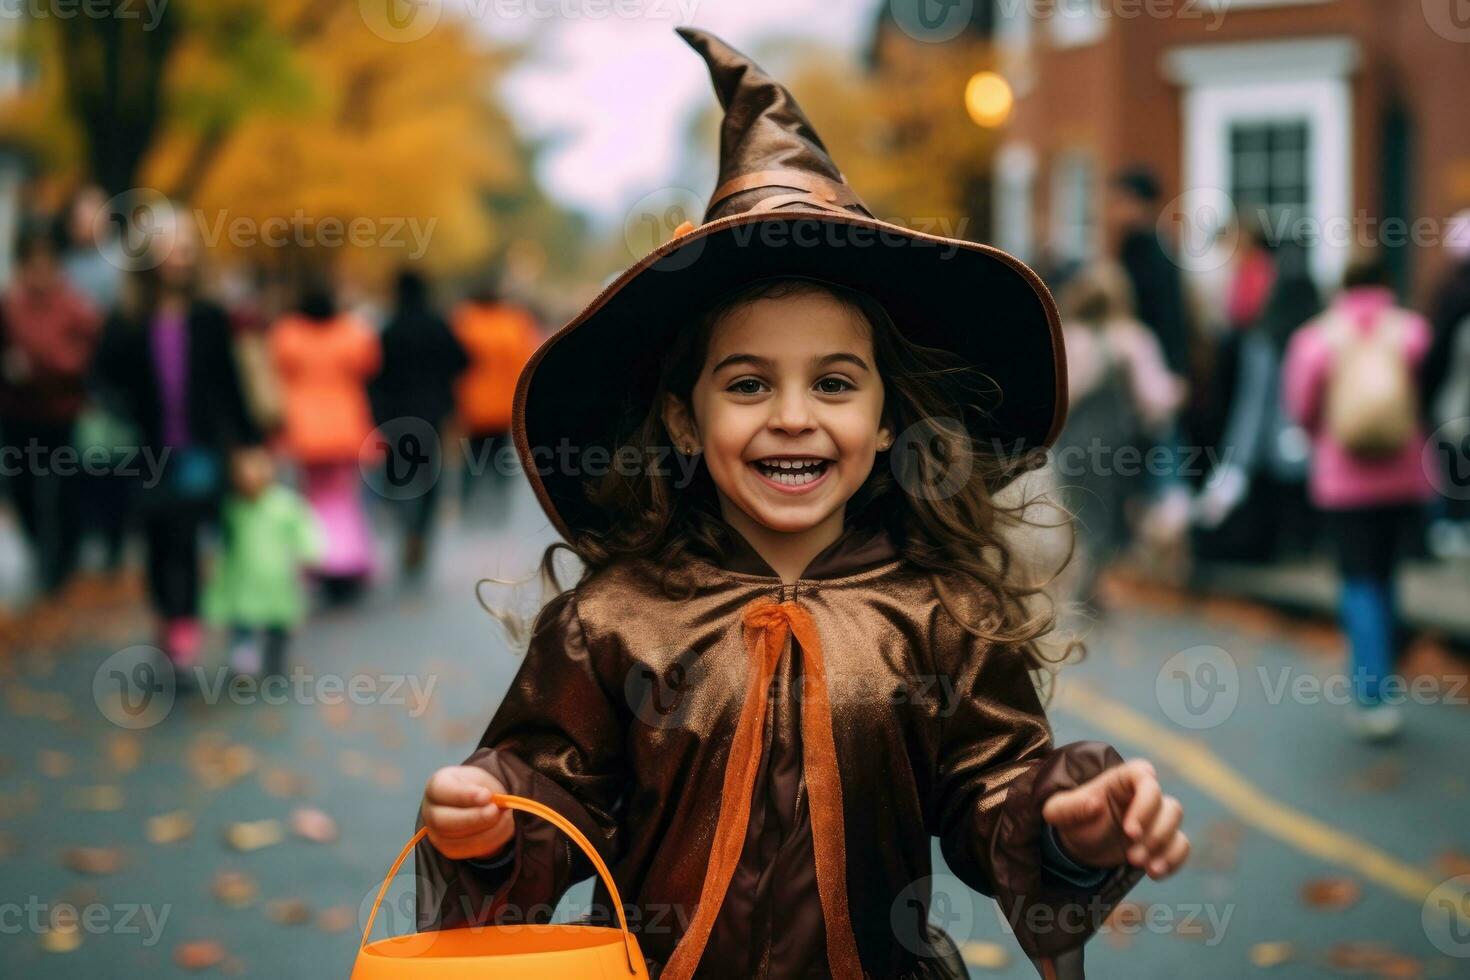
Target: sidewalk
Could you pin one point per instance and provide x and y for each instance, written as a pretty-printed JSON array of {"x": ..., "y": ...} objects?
[{"x": 1435, "y": 595}]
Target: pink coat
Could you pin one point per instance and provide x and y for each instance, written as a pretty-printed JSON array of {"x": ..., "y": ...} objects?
[{"x": 1338, "y": 480}]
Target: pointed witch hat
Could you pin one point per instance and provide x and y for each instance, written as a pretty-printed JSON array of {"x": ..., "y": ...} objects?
[{"x": 781, "y": 208}]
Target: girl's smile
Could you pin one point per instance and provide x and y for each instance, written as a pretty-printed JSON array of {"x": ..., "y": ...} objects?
[{"x": 799, "y": 474}]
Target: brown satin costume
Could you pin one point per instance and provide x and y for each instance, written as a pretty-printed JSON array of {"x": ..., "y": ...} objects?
[{"x": 778, "y": 828}]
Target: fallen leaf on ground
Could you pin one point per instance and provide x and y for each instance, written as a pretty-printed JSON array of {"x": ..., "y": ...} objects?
[
  {"x": 338, "y": 918},
  {"x": 199, "y": 955},
  {"x": 170, "y": 828},
  {"x": 281, "y": 782},
  {"x": 1272, "y": 954},
  {"x": 1331, "y": 893},
  {"x": 1373, "y": 957},
  {"x": 1452, "y": 864},
  {"x": 234, "y": 888},
  {"x": 314, "y": 825},
  {"x": 125, "y": 750},
  {"x": 253, "y": 835},
  {"x": 92, "y": 860},
  {"x": 61, "y": 940},
  {"x": 53, "y": 763},
  {"x": 288, "y": 911},
  {"x": 986, "y": 956}
]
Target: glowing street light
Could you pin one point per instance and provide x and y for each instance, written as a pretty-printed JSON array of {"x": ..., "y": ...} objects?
[{"x": 989, "y": 99}]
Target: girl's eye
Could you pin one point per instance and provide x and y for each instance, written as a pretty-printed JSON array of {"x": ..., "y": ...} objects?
[
  {"x": 736, "y": 387},
  {"x": 843, "y": 382}
]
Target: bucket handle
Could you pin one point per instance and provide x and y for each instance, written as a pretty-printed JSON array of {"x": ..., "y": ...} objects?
[{"x": 511, "y": 802}]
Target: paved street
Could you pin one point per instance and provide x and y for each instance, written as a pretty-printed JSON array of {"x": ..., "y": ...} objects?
[{"x": 248, "y": 837}]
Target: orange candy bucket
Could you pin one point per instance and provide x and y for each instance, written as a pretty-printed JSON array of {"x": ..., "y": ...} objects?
[{"x": 523, "y": 951}]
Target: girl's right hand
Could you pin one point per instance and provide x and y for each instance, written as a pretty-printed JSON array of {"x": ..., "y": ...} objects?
[{"x": 459, "y": 817}]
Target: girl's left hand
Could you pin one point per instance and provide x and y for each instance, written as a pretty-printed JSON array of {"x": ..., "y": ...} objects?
[{"x": 1119, "y": 815}]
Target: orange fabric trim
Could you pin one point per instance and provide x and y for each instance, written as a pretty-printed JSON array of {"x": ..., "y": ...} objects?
[{"x": 767, "y": 625}]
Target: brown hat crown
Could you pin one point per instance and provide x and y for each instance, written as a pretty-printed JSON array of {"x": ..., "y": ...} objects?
[{"x": 770, "y": 155}]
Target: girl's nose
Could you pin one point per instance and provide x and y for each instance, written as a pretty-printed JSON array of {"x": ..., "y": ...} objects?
[{"x": 791, "y": 412}]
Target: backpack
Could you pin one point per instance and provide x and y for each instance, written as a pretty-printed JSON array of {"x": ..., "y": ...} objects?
[{"x": 1371, "y": 409}]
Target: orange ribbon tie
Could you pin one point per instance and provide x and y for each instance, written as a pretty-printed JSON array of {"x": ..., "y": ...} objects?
[{"x": 767, "y": 625}]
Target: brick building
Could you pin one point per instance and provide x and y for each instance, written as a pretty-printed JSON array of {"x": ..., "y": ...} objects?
[{"x": 1342, "y": 112}]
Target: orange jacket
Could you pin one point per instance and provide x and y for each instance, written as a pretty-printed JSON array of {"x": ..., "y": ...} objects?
[
  {"x": 499, "y": 339},
  {"x": 324, "y": 368}
]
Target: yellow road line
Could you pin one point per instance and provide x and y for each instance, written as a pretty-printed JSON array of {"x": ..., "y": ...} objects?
[{"x": 1196, "y": 764}]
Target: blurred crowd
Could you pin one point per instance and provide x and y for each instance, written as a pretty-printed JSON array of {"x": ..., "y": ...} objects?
[
  {"x": 231, "y": 423},
  {"x": 244, "y": 414},
  {"x": 1264, "y": 421}
]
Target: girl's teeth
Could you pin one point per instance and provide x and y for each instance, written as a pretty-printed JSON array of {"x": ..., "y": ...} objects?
[{"x": 792, "y": 475}]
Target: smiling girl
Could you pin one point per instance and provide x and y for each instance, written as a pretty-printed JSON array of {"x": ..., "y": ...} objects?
[{"x": 776, "y": 681}]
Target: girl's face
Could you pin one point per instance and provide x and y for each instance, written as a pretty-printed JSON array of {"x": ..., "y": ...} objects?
[{"x": 787, "y": 410}]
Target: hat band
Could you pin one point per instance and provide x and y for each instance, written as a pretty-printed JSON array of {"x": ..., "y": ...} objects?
[{"x": 830, "y": 194}]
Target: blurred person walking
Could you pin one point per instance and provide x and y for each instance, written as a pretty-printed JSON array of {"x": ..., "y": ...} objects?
[
  {"x": 499, "y": 336},
  {"x": 421, "y": 360},
  {"x": 166, "y": 361},
  {"x": 324, "y": 359},
  {"x": 1121, "y": 394},
  {"x": 1253, "y": 504},
  {"x": 107, "y": 496},
  {"x": 1446, "y": 393},
  {"x": 268, "y": 536},
  {"x": 49, "y": 334},
  {"x": 1351, "y": 380},
  {"x": 1155, "y": 275}
]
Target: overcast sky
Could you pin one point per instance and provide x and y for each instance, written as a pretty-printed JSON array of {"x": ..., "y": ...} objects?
[{"x": 619, "y": 91}]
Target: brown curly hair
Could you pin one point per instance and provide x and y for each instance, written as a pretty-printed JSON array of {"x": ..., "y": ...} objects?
[{"x": 937, "y": 502}]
